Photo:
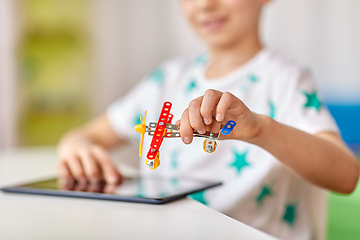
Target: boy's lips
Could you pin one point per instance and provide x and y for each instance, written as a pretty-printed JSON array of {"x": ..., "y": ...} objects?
[{"x": 213, "y": 25}]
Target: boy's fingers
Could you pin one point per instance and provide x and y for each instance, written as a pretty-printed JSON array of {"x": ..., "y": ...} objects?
[
  {"x": 76, "y": 168},
  {"x": 178, "y": 122},
  {"x": 110, "y": 173},
  {"x": 81, "y": 186},
  {"x": 90, "y": 165},
  {"x": 110, "y": 188},
  {"x": 186, "y": 130},
  {"x": 65, "y": 184},
  {"x": 215, "y": 127},
  {"x": 226, "y": 102},
  {"x": 93, "y": 187},
  {"x": 64, "y": 171},
  {"x": 209, "y": 101},
  {"x": 195, "y": 118}
]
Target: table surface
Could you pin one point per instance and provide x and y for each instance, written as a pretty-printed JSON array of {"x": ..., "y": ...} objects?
[{"x": 45, "y": 217}]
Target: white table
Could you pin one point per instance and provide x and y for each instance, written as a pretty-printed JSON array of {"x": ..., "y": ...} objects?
[{"x": 46, "y": 217}]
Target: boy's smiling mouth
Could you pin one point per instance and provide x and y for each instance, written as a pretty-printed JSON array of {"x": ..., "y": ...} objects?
[{"x": 214, "y": 24}]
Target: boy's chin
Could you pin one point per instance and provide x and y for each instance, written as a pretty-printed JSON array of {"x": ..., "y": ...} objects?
[{"x": 219, "y": 42}]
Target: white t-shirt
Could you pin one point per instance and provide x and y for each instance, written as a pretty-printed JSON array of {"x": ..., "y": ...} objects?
[{"x": 257, "y": 189}]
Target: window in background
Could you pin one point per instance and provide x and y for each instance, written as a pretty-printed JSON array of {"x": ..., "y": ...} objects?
[{"x": 54, "y": 61}]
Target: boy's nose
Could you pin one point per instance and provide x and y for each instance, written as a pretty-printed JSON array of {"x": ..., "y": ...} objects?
[{"x": 207, "y": 4}]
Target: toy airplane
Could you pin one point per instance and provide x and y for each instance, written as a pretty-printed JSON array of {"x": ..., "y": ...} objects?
[{"x": 164, "y": 129}]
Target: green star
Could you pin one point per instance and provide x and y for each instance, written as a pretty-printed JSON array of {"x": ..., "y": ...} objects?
[
  {"x": 201, "y": 59},
  {"x": 312, "y": 100},
  {"x": 174, "y": 159},
  {"x": 199, "y": 196},
  {"x": 265, "y": 192},
  {"x": 239, "y": 161},
  {"x": 163, "y": 194},
  {"x": 157, "y": 76},
  {"x": 247, "y": 84},
  {"x": 244, "y": 88},
  {"x": 290, "y": 214},
  {"x": 141, "y": 190},
  {"x": 272, "y": 109},
  {"x": 136, "y": 119},
  {"x": 192, "y": 85},
  {"x": 252, "y": 78},
  {"x": 174, "y": 182}
]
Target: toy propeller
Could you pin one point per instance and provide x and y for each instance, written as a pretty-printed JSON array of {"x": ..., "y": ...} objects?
[{"x": 141, "y": 128}]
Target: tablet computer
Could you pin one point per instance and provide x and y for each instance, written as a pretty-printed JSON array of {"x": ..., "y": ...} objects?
[{"x": 155, "y": 190}]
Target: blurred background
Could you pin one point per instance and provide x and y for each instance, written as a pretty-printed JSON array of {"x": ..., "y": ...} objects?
[{"x": 63, "y": 61}]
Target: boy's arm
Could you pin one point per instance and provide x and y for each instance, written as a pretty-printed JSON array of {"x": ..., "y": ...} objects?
[
  {"x": 83, "y": 152},
  {"x": 322, "y": 159}
]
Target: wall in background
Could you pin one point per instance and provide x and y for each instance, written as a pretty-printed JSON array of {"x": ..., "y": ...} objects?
[
  {"x": 321, "y": 34},
  {"x": 131, "y": 38},
  {"x": 54, "y": 72},
  {"x": 8, "y": 98}
]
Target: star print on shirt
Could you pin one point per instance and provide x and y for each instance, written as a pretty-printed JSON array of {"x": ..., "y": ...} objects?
[
  {"x": 199, "y": 196},
  {"x": 174, "y": 182},
  {"x": 174, "y": 159},
  {"x": 192, "y": 85},
  {"x": 312, "y": 100},
  {"x": 266, "y": 191},
  {"x": 157, "y": 76},
  {"x": 272, "y": 109},
  {"x": 239, "y": 161},
  {"x": 251, "y": 79},
  {"x": 141, "y": 190},
  {"x": 201, "y": 59},
  {"x": 136, "y": 119},
  {"x": 290, "y": 214}
]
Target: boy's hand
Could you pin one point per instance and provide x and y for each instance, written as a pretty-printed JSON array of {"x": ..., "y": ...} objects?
[
  {"x": 85, "y": 161},
  {"x": 212, "y": 110}
]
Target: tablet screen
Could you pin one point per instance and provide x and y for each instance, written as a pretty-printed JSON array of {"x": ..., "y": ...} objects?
[{"x": 142, "y": 187}]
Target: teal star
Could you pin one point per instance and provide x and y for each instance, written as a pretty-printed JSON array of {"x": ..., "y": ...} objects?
[
  {"x": 174, "y": 159},
  {"x": 157, "y": 76},
  {"x": 247, "y": 84},
  {"x": 312, "y": 100},
  {"x": 174, "y": 182},
  {"x": 136, "y": 119},
  {"x": 244, "y": 88},
  {"x": 201, "y": 59},
  {"x": 290, "y": 214},
  {"x": 239, "y": 161},
  {"x": 252, "y": 78},
  {"x": 265, "y": 192},
  {"x": 192, "y": 85},
  {"x": 163, "y": 194},
  {"x": 272, "y": 109},
  {"x": 199, "y": 196},
  {"x": 141, "y": 190}
]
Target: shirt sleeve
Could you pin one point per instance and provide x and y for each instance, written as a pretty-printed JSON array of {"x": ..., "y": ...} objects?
[
  {"x": 125, "y": 113},
  {"x": 301, "y": 103}
]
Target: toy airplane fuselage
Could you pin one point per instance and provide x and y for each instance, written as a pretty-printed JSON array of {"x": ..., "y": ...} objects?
[{"x": 164, "y": 129}]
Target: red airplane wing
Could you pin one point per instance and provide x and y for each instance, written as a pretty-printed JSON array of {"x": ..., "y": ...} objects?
[{"x": 165, "y": 118}]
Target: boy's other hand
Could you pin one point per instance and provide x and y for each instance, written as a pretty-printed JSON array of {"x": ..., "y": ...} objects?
[
  {"x": 86, "y": 161},
  {"x": 212, "y": 110}
]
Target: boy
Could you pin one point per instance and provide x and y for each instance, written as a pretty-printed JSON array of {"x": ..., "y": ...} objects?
[{"x": 284, "y": 135}]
